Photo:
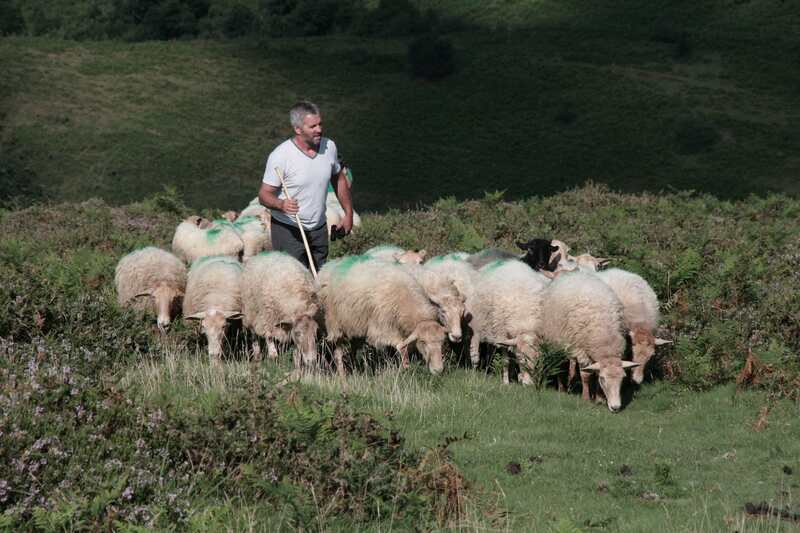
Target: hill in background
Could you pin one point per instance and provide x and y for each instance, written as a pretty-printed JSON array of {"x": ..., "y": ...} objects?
[{"x": 641, "y": 96}]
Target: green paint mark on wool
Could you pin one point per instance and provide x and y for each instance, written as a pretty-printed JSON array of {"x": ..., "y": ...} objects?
[
  {"x": 497, "y": 263},
  {"x": 447, "y": 257},
  {"x": 216, "y": 259},
  {"x": 344, "y": 264},
  {"x": 271, "y": 252},
  {"x": 245, "y": 221}
]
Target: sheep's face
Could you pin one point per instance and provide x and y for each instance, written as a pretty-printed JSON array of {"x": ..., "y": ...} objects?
[
  {"x": 166, "y": 299},
  {"x": 430, "y": 337},
  {"x": 230, "y": 216},
  {"x": 214, "y": 325},
  {"x": 643, "y": 346},
  {"x": 304, "y": 335},
  {"x": 610, "y": 375},
  {"x": 415, "y": 257},
  {"x": 451, "y": 312}
]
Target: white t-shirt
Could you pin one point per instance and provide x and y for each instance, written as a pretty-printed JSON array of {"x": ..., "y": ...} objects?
[{"x": 306, "y": 180}]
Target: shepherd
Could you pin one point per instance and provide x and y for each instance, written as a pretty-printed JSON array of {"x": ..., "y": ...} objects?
[{"x": 295, "y": 186}]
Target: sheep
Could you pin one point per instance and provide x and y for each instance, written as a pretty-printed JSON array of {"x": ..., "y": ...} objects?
[
  {"x": 444, "y": 294},
  {"x": 155, "y": 273},
  {"x": 539, "y": 254},
  {"x": 192, "y": 242},
  {"x": 584, "y": 315},
  {"x": 640, "y": 314},
  {"x": 255, "y": 209},
  {"x": 213, "y": 296},
  {"x": 484, "y": 257},
  {"x": 507, "y": 311},
  {"x": 381, "y": 302},
  {"x": 255, "y": 234},
  {"x": 455, "y": 268},
  {"x": 279, "y": 301},
  {"x": 389, "y": 252},
  {"x": 334, "y": 213},
  {"x": 230, "y": 216}
]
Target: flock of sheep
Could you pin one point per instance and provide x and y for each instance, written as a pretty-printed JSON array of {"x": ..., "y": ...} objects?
[{"x": 392, "y": 298}]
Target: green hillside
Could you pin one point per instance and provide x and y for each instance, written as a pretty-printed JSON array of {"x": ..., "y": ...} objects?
[{"x": 546, "y": 95}]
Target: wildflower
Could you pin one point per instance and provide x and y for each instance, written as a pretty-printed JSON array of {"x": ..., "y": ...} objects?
[
  {"x": 127, "y": 494},
  {"x": 4, "y": 490}
]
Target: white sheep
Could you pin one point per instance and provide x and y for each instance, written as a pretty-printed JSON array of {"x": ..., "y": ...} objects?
[
  {"x": 254, "y": 209},
  {"x": 640, "y": 314},
  {"x": 213, "y": 296},
  {"x": 154, "y": 273},
  {"x": 389, "y": 252},
  {"x": 334, "y": 212},
  {"x": 444, "y": 294},
  {"x": 381, "y": 302},
  {"x": 507, "y": 311},
  {"x": 192, "y": 242},
  {"x": 279, "y": 302},
  {"x": 255, "y": 234},
  {"x": 582, "y": 314}
]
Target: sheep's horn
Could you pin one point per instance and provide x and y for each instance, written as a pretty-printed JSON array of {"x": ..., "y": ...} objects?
[
  {"x": 232, "y": 315},
  {"x": 197, "y": 316},
  {"x": 659, "y": 342},
  {"x": 630, "y": 364},
  {"x": 594, "y": 367},
  {"x": 508, "y": 342}
]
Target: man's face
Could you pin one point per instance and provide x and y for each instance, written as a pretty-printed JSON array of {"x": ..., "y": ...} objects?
[{"x": 311, "y": 130}]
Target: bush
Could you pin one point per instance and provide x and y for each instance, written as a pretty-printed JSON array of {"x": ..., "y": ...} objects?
[
  {"x": 393, "y": 18},
  {"x": 431, "y": 57},
  {"x": 10, "y": 18},
  {"x": 297, "y": 18}
]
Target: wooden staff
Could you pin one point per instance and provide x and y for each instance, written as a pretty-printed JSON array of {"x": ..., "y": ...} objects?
[{"x": 279, "y": 172}]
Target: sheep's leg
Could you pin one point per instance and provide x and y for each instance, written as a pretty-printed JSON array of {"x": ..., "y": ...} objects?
[
  {"x": 296, "y": 358},
  {"x": 404, "y": 363},
  {"x": 585, "y": 379},
  {"x": 475, "y": 350},
  {"x": 506, "y": 362},
  {"x": 573, "y": 367},
  {"x": 256, "y": 351},
  {"x": 338, "y": 356},
  {"x": 272, "y": 350}
]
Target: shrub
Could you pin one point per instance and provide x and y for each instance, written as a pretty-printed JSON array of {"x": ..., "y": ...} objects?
[
  {"x": 431, "y": 57},
  {"x": 393, "y": 18}
]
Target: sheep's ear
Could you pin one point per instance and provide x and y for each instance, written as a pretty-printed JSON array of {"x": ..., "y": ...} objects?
[
  {"x": 508, "y": 342},
  {"x": 630, "y": 364},
  {"x": 143, "y": 293},
  {"x": 659, "y": 342},
  {"x": 411, "y": 338},
  {"x": 602, "y": 261},
  {"x": 522, "y": 245},
  {"x": 422, "y": 253},
  {"x": 232, "y": 315},
  {"x": 197, "y": 316},
  {"x": 594, "y": 367}
]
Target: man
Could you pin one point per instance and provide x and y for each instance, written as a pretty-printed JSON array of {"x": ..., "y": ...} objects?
[{"x": 308, "y": 162}]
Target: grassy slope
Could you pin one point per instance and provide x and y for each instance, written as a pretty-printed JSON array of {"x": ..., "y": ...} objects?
[
  {"x": 697, "y": 452},
  {"x": 121, "y": 120}
]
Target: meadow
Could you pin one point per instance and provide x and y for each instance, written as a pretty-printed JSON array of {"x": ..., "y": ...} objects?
[{"x": 107, "y": 424}]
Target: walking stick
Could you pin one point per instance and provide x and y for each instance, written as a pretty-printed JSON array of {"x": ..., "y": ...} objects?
[{"x": 279, "y": 172}]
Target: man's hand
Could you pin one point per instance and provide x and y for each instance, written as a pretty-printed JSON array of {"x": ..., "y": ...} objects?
[
  {"x": 347, "y": 222},
  {"x": 290, "y": 207}
]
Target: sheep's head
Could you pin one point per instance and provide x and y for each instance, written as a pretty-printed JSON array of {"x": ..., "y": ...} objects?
[
  {"x": 643, "y": 344},
  {"x": 610, "y": 374},
  {"x": 230, "y": 216},
  {"x": 411, "y": 257},
  {"x": 214, "y": 322},
  {"x": 166, "y": 301},
  {"x": 304, "y": 335},
  {"x": 588, "y": 262},
  {"x": 429, "y": 337},
  {"x": 198, "y": 221},
  {"x": 450, "y": 306}
]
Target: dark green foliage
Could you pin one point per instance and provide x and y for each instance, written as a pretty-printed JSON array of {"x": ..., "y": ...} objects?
[
  {"x": 10, "y": 17},
  {"x": 229, "y": 20},
  {"x": 393, "y": 18},
  {"x": 431, "y": 57},
  {"x": 694, "y": 135}
]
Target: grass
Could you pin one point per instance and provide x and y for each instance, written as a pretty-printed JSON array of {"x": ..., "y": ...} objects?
[
  {"x": 570, "y": 93},
  {"x": 671, "y": 461}
]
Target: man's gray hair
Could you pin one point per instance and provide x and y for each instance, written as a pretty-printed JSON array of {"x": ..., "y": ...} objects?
[{"x": 299, "y": 111}]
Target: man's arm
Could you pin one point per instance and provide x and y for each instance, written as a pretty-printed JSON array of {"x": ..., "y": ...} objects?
[
  {"x": 342, "y": 190},
  {"x": 268, "y": 196}
]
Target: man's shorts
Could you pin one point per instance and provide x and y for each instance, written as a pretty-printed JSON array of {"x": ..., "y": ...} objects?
[{"x": 286, "y": 238}]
